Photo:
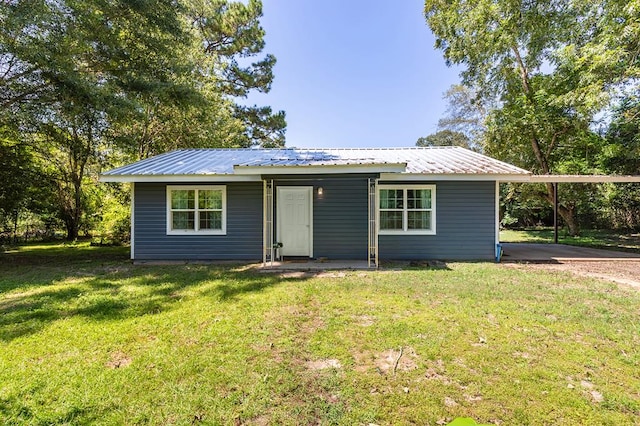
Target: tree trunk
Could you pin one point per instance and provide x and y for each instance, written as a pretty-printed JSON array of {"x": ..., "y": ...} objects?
[
  {"x": 567, "y": 214},
  {"x": 569, "y": 218},
  {"x": 72, "y": 229},
  {"x": 15, "y": 227},
  {"x": 77, "y": 209},
  {"x": 78, "y": 157}
]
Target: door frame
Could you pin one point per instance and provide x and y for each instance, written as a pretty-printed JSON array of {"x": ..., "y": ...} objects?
[{"x": 279, "y": 226}]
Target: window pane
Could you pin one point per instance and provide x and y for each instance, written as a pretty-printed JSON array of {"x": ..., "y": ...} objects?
[
  {"x": 210, "y": 199},
  {"x": 391, "y": 199},
  {"x": 418, "y": 220},
  {"x": 391, "y": 220},
  {"x": 182, "y": 220},
  {"x": 210, "y": 220},
  {"x": 419, "y": 198},
  {"x": 183, "y": 199}
]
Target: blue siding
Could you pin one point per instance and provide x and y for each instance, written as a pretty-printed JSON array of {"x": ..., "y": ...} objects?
[
  {"x": 244, "y": 227},
  {"x": 465, "y": 223},
  {"x": 465, "y": 226},
  {"x": 339, "y": 215}
]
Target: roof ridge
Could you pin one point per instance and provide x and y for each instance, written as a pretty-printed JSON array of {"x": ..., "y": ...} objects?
[{"x": 386, "y": 148}]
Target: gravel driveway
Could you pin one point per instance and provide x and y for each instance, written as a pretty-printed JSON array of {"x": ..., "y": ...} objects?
[{"x": 623, "y": 272}]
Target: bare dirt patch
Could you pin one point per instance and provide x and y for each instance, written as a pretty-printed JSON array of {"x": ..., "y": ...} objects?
[
  {"x": 323, "y": 364},
  {"x": 387, "y": 362},
  {"x": 118, "y": 360},
  {"x": 365, "y": 320},
  {"x": 393, "y": 360},
  {"x": 622, "y": 272},
  {"x": 436, "y": 371}
]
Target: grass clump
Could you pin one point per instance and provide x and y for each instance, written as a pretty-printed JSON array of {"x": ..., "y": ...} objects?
[{"x": 94, "y": 339}]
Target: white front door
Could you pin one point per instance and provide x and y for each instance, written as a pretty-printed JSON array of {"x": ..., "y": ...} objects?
[{"x": 295, "y": 221}]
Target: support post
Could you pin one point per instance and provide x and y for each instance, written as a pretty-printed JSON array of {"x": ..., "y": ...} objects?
[
  {"x": 132, "y": 238},
  {"x": 555, "y": 212},
  {"x": 267, "y": 223},
  {"x": 498, "y": 246}
]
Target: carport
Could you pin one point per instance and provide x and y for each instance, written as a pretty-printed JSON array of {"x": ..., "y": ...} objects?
[
  {"x": 560, "y": 252},
  {"x": 540, "y": 252}
]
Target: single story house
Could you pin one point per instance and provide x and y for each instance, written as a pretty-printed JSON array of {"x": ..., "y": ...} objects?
[{"x": 355, "y": 204}]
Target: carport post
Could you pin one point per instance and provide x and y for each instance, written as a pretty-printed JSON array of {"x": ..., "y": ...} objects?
[{"x": 555, "y": 212}]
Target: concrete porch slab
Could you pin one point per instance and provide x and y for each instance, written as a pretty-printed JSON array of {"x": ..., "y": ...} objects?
[
  {"x": 317, "y": 265},
  {"x": 535, "y": 252}
]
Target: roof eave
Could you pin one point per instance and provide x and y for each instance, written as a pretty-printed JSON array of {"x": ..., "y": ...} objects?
[
  {"x": 181, "y": 178},
  {"x": 501, "y": 177}
]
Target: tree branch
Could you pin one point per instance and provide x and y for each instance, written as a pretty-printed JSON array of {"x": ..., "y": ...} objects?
[{"x": 524, "y": 74}]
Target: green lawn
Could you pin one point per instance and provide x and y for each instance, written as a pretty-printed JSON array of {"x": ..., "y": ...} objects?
[
  {"x": 625, "y": 241},
  {"x": 85, "y": 337}
]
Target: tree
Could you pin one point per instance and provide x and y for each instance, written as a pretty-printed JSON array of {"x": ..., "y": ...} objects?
[
  {"x": 445, "y": 138},
  {"x": 231, "y": 33},
  {"x": 465, "y": 114},
  {"x": 15, "y": 175},
  {"x": 541, "y": 63},
  {"x": 90, "y": 83},
  {"x": 69, "y": 65},
  {"x": 622, "y": 156},
  {"x": 224, "y": 36}
]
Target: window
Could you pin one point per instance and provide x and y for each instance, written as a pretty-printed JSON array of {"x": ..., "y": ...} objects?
[
  {"x": 196, "y": 209},
  {"x": 406, "y": 209}
]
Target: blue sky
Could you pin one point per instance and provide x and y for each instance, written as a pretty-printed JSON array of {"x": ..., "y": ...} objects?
[{"x": 354, "y": 73}]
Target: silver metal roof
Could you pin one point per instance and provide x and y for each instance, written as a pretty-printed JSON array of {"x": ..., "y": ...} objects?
[{"x": 415, "y": 160}]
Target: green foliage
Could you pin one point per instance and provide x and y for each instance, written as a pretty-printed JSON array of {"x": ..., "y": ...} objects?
[
  {"x": 465, "y": 114},
  {"x": 114, "y": 225},
  {"x": 93, "y": 84},
  {"x": 15, "y": 173},
  {"x": 621, "y": 155},
  {"x": 261, "y": 125},
  {"x": 445, "y": 138},
  {"x": 25, "y": 191},
  {"x": 545, "y": 68}
]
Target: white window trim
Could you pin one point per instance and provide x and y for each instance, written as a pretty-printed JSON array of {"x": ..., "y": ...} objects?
[
  {"x": 406, "y": 231},
  {"x": 197, "y": 188}
]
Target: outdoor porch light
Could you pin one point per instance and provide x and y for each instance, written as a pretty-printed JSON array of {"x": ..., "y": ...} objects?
[{"x": 320, "y": 190}]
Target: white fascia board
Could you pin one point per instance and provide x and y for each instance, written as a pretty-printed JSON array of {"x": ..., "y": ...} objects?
[
  {"x": 508, "y": 178},
  {"x": 326, "y": 169},
  {"x": 180, "y": 178},
  {"x": 583, "y": 178},
  {"x": 454, "y": 176}
]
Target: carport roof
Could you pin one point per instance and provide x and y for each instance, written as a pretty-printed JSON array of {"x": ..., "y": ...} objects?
[{"x": 583, "y": 178}]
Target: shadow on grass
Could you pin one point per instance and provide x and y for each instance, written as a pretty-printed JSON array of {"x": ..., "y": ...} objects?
[
  {"x": 436, "y": 265},
  {"x": 34, "y": 294},
  {"x": 25, "y": 414}
]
